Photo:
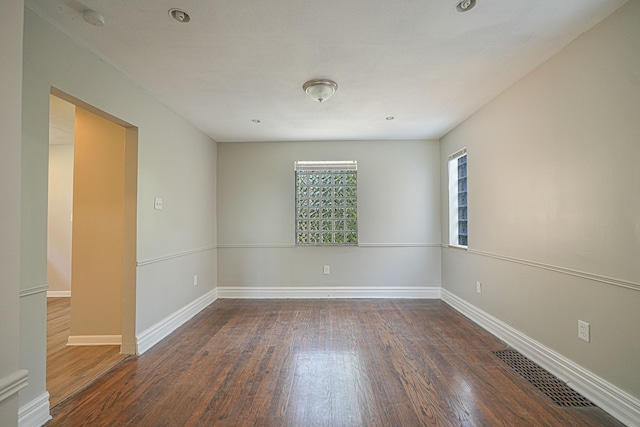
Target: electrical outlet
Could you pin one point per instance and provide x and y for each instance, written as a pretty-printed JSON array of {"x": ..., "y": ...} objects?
[
  {"x": 584, "y": 331},
  {"x": 195, "y": 280},
  {"x": 479, "y": 287},
  {"x": 326, "y": 270}
]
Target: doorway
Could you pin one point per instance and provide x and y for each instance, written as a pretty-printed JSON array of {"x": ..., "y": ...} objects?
[{"x": 91, "y": 243}]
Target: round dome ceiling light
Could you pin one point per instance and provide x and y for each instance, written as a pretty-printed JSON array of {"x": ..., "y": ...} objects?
[
  {"x": 465, "y": 5},
  {"x": 94, "y": 18},
  {"x": 320, "y": 90},
  {"x": 179, "y": 15}
]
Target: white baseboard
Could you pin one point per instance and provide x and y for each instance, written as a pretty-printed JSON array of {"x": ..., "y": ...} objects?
[
  {"x": 95, "y": 340},
  {"x": 160, "y": 330},
  {"x": 34, "y": 413},
  {"x": 615, "y": 401},
  {"x": 58, "y": 294},
  {"x": 328, "y": 292}
]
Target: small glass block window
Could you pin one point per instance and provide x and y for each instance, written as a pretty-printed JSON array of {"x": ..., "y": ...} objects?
[
  {"x": 326, "y": 203},
  {"x": 458, "y": 228}
]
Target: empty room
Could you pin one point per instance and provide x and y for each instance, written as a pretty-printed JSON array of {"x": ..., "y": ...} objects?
[{"x": 337, "y": 214}]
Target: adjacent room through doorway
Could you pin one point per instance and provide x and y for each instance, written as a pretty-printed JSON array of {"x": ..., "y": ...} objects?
[{"x": 91, "y": 244}]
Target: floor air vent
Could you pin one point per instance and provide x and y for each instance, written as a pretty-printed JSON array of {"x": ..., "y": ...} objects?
[{"x": 551, "y": 386}]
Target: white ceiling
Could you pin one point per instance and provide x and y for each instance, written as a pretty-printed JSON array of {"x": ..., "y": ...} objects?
[{"x": 237, "y": 60}]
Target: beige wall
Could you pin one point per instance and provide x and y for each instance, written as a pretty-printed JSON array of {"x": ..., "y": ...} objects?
[
  {"x": 98, "y": 207},
  {"x": 554, "y": 202},
  {"x": 398, "y": 216},
  {"x": 11, "y": 21},
  {"x": 59, "y": 217}
]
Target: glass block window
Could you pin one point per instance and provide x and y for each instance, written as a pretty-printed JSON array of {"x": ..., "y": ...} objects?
[
  {"x": 458, "y": 228},
  {"x": 326, "y": 203}
]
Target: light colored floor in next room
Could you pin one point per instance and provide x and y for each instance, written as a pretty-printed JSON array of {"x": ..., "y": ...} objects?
[{"x": 69, "y": 368}]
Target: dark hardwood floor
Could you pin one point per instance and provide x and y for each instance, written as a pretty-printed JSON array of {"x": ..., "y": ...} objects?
[
  {"x": 320, "y": 363},
  {"x": 70, "y": 368}
]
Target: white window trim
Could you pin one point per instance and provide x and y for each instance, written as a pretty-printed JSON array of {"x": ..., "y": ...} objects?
[{"x": 346, "y": 165}]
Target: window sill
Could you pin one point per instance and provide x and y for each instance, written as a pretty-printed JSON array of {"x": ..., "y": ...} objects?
[{"x": 458, "y": 247}]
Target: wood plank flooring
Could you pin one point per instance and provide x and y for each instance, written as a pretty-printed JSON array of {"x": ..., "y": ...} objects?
[
  {"x": 70, "y": 368},
  {"x": 320, "y": 363}
]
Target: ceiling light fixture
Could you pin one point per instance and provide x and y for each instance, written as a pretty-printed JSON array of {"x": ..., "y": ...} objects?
[
  {"x": 465, "y": 5},
  {"x": 320, "y": 90},
  {"x": 179, "y": 15},
  {"x": 94, "y": 18}
]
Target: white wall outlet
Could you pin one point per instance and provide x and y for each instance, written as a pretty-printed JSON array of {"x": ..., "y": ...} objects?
[
  {"x": 479, "y": 287},
  {"x": 157, "y": 203},
  {"x": 195, "y": 280},
  {"x": 584, "y": 331},
  {"x": 326, "y": 270}
]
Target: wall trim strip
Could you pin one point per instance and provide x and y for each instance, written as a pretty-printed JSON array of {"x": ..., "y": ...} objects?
[
  {"x": 577, "y": 273},
  {"x": 362, "y": 245},
  {"x": 255, "y": 246},
  {"x": 34, "y": 290},
  {"x": 13, "y": 383},
  {"x": 329, "y": 292},
  {"x": 607, "y": 396},
  {"x": 172, "y": 256},
  {"x": 399, "y": 245},
  {"x": 87, "y": 340},
  {"x": 153, "y": 335},
  {"x": 34, "y": 413},
  {"x": 58, "y": 294}
]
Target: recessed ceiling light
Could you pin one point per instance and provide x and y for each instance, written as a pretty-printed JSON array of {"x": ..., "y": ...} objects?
[
  {"x": 255, "y": 121},
  {"x": 389, "y": 118},
  {"x": 94, "y": 18},
  {"x": 465, "y": 5},
  {"x": 179, "y": 15}
]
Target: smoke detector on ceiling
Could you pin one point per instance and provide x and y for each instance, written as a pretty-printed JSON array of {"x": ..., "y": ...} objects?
[{"x": 94, "y": 18}]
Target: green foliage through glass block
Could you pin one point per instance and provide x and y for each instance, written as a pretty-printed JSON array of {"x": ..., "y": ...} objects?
[{"x": 326, "y": 207}]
